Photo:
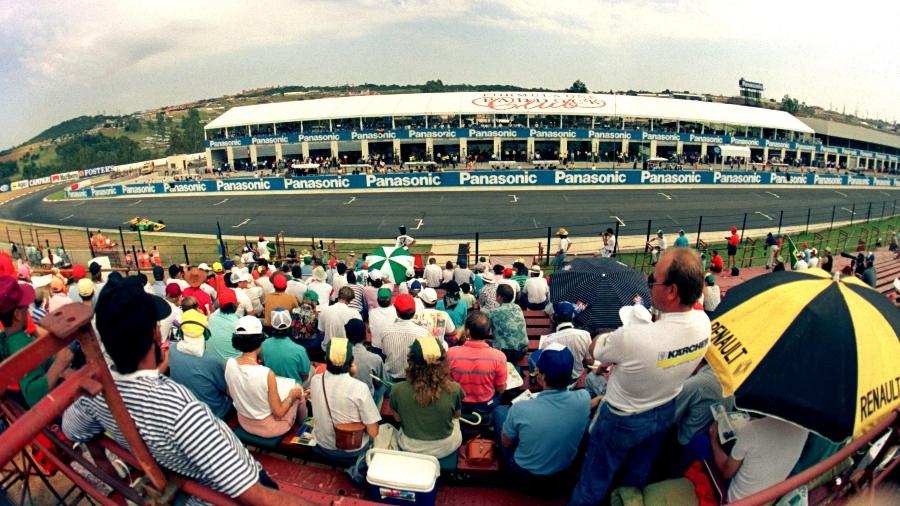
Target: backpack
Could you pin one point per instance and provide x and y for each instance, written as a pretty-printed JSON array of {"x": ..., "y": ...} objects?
[
  {"x": 735, "y": 271},
  {"x": 305, "y": 324}
]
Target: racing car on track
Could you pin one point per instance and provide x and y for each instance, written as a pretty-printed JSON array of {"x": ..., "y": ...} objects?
[{"x": 145, "y": 224}]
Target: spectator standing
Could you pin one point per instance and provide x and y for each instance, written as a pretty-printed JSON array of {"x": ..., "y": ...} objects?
[
  {"x": 541, "y": 436},
  {"x": 577, "y": 341},
  {"x": 537, "y": 291},
  {"x": 733, "y": 241},
  {"x": 403, "y": 240},
  {"x": 333, "y": 318},
  {"x": 479, "y": 369},
  {"x": 657, "y": 245},
  {"x": 397, "y": 337},
  {"x": 508, "y": 326},
  {"x": 771, "y": 249},
  {"x": 609, "y": 244},
  {"x": 827, "y": 261},
  {"x": 198, "y": 369},
  {"x": 429, "y": 403},
  {"x": 639, "y": 404}
]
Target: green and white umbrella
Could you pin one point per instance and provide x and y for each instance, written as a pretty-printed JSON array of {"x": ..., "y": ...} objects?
[{"x": 392, "y": 262}]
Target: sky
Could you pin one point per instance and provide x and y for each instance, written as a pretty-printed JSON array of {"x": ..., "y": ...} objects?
[{"x": 62, "y": 59}]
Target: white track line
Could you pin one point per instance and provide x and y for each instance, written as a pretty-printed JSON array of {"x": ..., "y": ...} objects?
[
  {"x": 774, "y": 195},
  {"x": 764, "y": 215},
  {"x": 842, "y": 194},
  {"x": 514, "y": 200},
  {"x": 420, "y": 223},
  {"x": 619, "y": 220},
  {"x": 848, "y": 210},
  {"x": 136, "y": 203},
  {"x": 350, "y": 201},
  {"x": 220, "y": 203},
  {"x": 241, "y": 223},
  {"x": 664, "y": 195},
  {"x": 67, "y": 217}
]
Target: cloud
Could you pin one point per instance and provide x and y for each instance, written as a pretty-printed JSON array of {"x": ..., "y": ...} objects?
[{"x": 66, "y": 42}]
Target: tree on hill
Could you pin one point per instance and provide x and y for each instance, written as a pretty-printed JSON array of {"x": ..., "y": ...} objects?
[
  {"x": 578, "y": 87},
  {"x": 790, "y": 105},
  {"x": 433, "y": 86}
]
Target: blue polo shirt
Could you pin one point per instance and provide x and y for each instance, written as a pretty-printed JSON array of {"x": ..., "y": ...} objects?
[
  {"x": 681, "y": 242},
  {"x": 286, "y": 358},
  {"x": 203, "y": 376},
  {"x": 548, "y": 429}
]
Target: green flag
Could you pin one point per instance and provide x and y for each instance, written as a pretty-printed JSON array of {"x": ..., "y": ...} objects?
[{"x": 792, "y": 251}]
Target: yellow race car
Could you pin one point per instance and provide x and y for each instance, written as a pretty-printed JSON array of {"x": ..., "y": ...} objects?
[{"x": 145, "y": 224}]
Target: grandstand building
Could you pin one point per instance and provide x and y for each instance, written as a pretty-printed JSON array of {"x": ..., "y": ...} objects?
[{"x": 531, "y": 126}]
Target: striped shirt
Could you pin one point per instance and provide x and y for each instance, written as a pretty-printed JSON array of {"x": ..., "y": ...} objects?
[
  {"x": 395, "y": 342},
  {"x": 479, "y": 369},
  {"x": 181, "y": 432}
]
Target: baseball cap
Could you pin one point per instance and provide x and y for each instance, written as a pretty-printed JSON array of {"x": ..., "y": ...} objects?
[
  {"x": 123, "y": 304},
  {"x": 228, "y": 265},
  {"x": 339, "y": 351},
  {"x": 239, "y": 275},
  {"x": 636, "y": 314},
  {"x": 734, "y": 229},
  {"x": 311, "y": 295},
  {"x": 319, "y": 274},
  {"x": 279, "y": 282},
  {"x": 710, "y": 279},
  {"x": 564, "y": 309},
  {"x": 193, "y": 324},
  {"x": 415, "y": 285},
  {"x": 158, "y": 273},
  {"x": 384, "y": 293},
  {"x": 535, "y": 268},
  {"x": 280, "y": 319},
  {"x": 57, "y": 284},
  {"x": 227, "y": 296},
  {"x": 173, "y": 290},
  {"x": 555, "y": 361},
  {"x": 85, "y": 287},
  {"x": 375, "y": 274},
  {"x": 428, "y": 296},
  {"x": 332, "y": 263},
  {"x": 410, "y": 273},
  {"x": 13, "y": 295},
  {"x": 248, "y": 325},
  {"x": 78, "y": 271},
  {"x": 426, "y": 350},
  {"x": 404, "y": 303},
  {"x": 507, "y": 273},
  {"x": 204, "y": 267},
  {"x": 24, "y": 271},
  {"x": 217, "y": 267}
]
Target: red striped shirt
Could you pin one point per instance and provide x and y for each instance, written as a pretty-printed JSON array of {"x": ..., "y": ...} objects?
[{"x": 479, "y": 369}]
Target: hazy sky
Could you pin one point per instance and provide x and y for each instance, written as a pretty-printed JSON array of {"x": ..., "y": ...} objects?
[{"x": 64, "y": 59}]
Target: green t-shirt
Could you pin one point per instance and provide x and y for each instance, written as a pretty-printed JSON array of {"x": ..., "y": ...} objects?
[
  {"x": 429, "y": 423},
  {"x": 286, "y": 358},
  {"x": 34, "y": 384}
]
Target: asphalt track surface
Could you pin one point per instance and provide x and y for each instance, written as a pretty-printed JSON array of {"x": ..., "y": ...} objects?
[{"x": 509, "y": 213}]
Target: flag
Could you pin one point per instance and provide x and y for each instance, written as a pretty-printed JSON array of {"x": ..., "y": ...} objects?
[
  {"x": 222, "y": 252},
  {"x": 792, "y": 251}
]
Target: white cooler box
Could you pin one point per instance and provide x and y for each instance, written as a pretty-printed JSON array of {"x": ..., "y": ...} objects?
[{"x": 401, "y": 477}]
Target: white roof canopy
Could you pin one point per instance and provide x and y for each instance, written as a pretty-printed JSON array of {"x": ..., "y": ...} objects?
[
  {"x": 734, "y": 151},
  {"x": 487, "y": 103}
]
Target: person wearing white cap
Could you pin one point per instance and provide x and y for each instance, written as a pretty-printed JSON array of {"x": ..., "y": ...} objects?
[
  {"x": 319, "y": 285},
  {"x": 487, "y": 296},
  {"x": 206, "y": 287},
  {"x": 537, "y": 291},
  {"x": 438, "y": 322},
  {"x": 410, "y": 277},
  {"x": 813, "y": 258},
  {"x": 249, "y": 296}
]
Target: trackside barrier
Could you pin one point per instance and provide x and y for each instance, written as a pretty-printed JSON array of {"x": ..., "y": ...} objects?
[{"x": 488, "y": 179}]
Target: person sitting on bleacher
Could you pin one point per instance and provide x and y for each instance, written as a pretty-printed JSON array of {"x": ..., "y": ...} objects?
[
  {"x": 487, "y": 296},
  {"x": 286, "y": 358},
  {"x": 398, "y": 336},
  {"x": 199, "y": 369},
  {"x": 478, "y": 368},
  {"x": 429, "y": 403},
  {"x": 453, "y": 305},
  {"x": 367, "y": 364},
  {"x": 541, "y": 436},
  {"x": 508, "y": 325},
  {"x": 576, "y": 340},
  {"x": 537, "y": 291},
  {"x": 438, "y": 322},
  {"x": 166, "y": 414},
  {"x": 339, "y": 398},
  {"x": 266, "y": 404}
]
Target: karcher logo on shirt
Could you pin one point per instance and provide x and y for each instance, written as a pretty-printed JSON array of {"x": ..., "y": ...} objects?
[{"x": 672, "y": 358}]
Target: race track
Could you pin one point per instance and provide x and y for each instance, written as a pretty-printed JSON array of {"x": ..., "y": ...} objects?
[{"x": 508, "y": 213}]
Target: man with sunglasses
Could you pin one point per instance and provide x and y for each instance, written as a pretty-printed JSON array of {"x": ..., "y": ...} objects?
[{"x": 652, "y": 361}]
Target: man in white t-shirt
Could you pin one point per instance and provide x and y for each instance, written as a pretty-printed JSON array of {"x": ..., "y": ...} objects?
[
  {"x": 609, "y": 243},
  {"x": 381, "y": 317},
  {"x": 652, "y": 361},
  {"x": 576, "y": 340},
  {"x": 249, "y": 296},
  {"x": 765, "y": 451},
  {"x": 333, "y": 318},
  {"x": 433, "y": 273},
  {"x": 563, "y": 250},
  {"x": 537, "y": 292},
  {"x": 318, "y": 284},
  {"x": 262, "y": 248},
  {"x": 403, "y": 240}
]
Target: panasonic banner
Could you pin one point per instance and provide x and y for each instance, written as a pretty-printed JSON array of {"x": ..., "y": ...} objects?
[{"x": 487, "y": 179}]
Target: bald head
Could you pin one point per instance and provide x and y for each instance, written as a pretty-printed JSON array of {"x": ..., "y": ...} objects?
[{"x": 679, "y": 280}]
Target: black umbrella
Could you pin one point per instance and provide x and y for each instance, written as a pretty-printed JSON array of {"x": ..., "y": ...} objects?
[{"x": 602, "y": 286}]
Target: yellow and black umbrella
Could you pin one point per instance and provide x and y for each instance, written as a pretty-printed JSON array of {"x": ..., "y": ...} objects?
[{"x": 819, "y": 353}]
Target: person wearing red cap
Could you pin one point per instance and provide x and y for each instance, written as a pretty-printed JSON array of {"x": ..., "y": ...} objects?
[
  {"x": 79, "y": 271},
  {"x": 733, "y": 240},
  {"x": 397, "y": 337},
  {"x": 278, "y": 299},
  {"x": 508, "y": 280},
  {"x": 14, "y": 313}
]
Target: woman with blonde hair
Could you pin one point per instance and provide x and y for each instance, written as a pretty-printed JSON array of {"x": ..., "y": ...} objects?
[{"x": 428, "y": 403}]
